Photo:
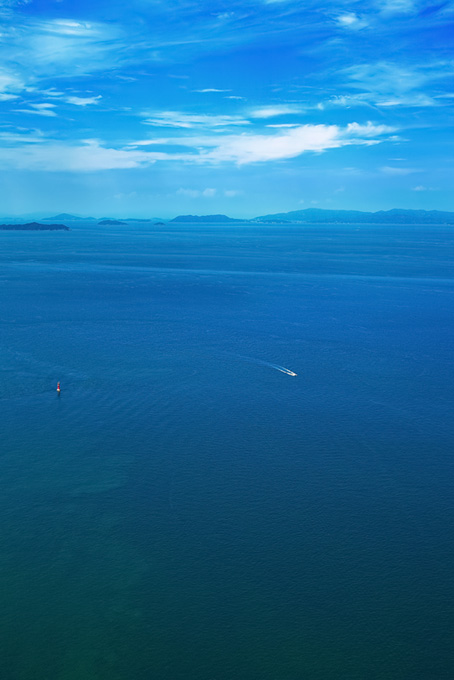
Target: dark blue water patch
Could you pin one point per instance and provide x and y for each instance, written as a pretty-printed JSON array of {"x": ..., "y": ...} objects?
[{"x": 179, "y": 512}]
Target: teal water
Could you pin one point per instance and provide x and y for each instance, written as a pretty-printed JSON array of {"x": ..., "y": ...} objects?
[{"x": 185, "y": 511}]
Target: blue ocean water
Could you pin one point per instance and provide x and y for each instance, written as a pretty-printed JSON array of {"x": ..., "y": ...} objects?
[{"x": 185, "y": 511}]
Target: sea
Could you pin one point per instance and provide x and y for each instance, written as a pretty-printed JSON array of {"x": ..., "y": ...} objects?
[{"x": 187, "y": 508}]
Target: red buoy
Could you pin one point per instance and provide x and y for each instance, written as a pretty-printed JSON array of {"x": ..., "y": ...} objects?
[{"x": 58, "y": 387}]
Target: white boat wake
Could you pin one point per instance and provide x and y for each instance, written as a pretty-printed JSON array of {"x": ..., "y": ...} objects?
[
  {"x": 260, "y": 362},
  {"x": 282, "y": 369}
]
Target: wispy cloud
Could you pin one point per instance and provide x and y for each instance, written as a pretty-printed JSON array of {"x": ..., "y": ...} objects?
[
  {"x": 197, "y": 193},
  {"x": 83, "y": 101},
  {"x": 397, "y": 6},
  {"x": 42, "y": 109},
  {"x": 35, "y": 48},
  {"x": 210, "y": 89},
  {"x": 20, "y": 137},
  {"x": 367, "y": 131},
  {"x": 288, "y": 143},
  {"x": 390, "y": 170},
  {"x": 352, "y": 21},
  {"x": 95, "y": 155},
  {"x": 50, "y": 92},
  {"x": 385, "y": 78},
  {"x": 224, "y": 16},
  {"x": 390, "y": 84},
  {"x": 273, "y": 111},
  {"x": 252, "y": 148},
  {"x": 86, "y": 156},
  {"x": 10, "y": 84},
  {"x": 177, "y": 119},
  {"x": 121, "y": 196},
  {"x": 75, "y": 45}
]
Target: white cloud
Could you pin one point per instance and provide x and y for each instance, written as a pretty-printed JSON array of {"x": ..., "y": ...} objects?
[
  {"x": 210, "y": 89},
  {"x": 388, "y": 84},
  {"x": 282, "y": 125},
  {"x": 83, "y": 101},
  {"x": 86, "y": 156},
  {"x": 43, "y": 106},
  {"x": 415, "y": 99},
  {"x": 188, "y": 193},
  {"x": 253, "y": 148},
  {"x": 231, "y": 193},
  {"x": 351, "y": 21},
  {"x": 38, "y": 48},
  {"x": 420, "y": 187},
  {"x": 389, "y": 170},
  {"x": 21, "y": 137},
  {"x": 67, "y": 27},
  {"x": 42, "y": 109},
  {"x": 385, "y": 77},
  {"x": 93, "y": 155},
  {"x": 176, "y": 119},
  {"x": 272, "y": 111},
  {"x": 10, "y": 84},
  {"x": 397, "y": 6},
  {"x": 122, "y": 196},
  {"x": 51, "y": 92},
  {"x": 369, "y": 130},
  {"x": 197, "y": 193},
  {"x": 223, "y": 16}
]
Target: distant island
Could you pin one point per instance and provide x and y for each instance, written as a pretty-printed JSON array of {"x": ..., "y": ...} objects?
[
  {"x": 66, "y": 217},
  {"x": 33, "y": 226},
  {"x": 111, "y": 223},
  {"x": 306, "y": 216},
  {"x": 319, "y": 216},
  {"x": 205, "y": 218}
]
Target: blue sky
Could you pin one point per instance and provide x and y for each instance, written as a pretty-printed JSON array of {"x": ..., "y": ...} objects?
[{"x": 157, "y": 108}]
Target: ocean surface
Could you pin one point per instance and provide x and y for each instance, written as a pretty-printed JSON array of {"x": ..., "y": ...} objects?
[{"x": 184, "y": 509}]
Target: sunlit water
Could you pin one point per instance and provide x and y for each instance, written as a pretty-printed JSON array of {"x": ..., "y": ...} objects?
[{"x": 185, "y": 511}]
